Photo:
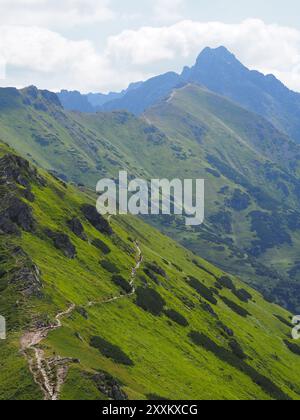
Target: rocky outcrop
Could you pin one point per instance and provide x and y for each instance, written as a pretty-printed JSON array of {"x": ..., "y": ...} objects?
[
  {"x": 96, "y": 220},
  {"x": 7, "y": 227},
  {"x": 14, "y": 169},
  {"x": 20, "y": 213},
  {"x": 27, "y": 280},
  {"x": 109, "y": 386},
  {"x": 62, "y": 242},
  {"x": 77, "y": 228}
]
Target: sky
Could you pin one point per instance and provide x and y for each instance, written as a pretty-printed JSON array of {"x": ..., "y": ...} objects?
[{"x": 103, "y": 45}]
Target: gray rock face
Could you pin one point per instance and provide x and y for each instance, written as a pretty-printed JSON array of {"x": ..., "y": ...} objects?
[
  {"x": 18, "y": 170},
  {"x": 7, "y": 227},
  {"x": 62, "y": 242},
  {"x": 76, "y": 227},
  {"x": 27, "y": 280},
  {"x": 96, "y": 219},
  {"x": 109, "y": 386},
  {"x": 20, "y": 213}
]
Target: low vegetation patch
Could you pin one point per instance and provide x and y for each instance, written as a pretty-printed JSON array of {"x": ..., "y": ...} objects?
[
  {"x": 97, "y": 243},
  {"x": 121, "y": 282},
  {"x": 154, "y": 267},
  {"x": 176, "y": 317},
  {"x": 242, "y": 295},
  {"x": 150, "y": 300},
  {"x": 293, "y": 347},
  {"x": 111, "y": 351},
  {"x": 201, "y": 340},
  {"x": 226, "y": 282},
  {"x": 202, "y": 290},
  {"x": 109, "y": 266},
  {"x": 235, "y": 307}
]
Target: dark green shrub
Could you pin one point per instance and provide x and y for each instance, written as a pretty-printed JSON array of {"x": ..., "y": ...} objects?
[
  {"x": 207, "y": 308},
  {"x": 82, "y": 312},
  {"x": 203, "y": 291},
  {"x": 294, "y": 348},
  {"x": 235, "y": 308},
  {"x": 228, "y": 357},
  {"x": 121, "y": 282},
  {"x": 150, "y": 300},
  {"x": 156, "y": 269},
  {"x": 155, "y": 397},
  {"x": 109, "y": 266},
  {"x": 110, "y": 351},
  {"x": 284, "y": 321},
  {"x": 242, "y": 295},
  {"x": 237, "y": 349},
  {"x": 228, "y": 331},
  {"x": 97, "y": 243},
  {"x": 177, "y": 267},
  {"x": 151, "y": 275},
  {"x": 226, "y": 282},
  {"x": 176, "y": 317},
  {"x": 197, "y": 264}
]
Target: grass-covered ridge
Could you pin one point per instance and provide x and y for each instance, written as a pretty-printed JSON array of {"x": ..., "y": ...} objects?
[
  {"x": 146, "y": 342},
  {"x": 251, "y": 171}
]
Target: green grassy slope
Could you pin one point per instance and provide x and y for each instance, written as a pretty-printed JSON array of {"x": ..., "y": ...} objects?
[
  {"x": 185, "y": 332},
  {"x": 251, "y": 171}
]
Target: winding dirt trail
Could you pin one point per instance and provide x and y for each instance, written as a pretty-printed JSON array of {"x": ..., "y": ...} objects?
[
  {"x": 50, "y": 374},
  {"x": 139, "y": 260}
]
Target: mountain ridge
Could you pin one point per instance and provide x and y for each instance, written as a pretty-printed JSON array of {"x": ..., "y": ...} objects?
[{"x": 221, "y": 72}]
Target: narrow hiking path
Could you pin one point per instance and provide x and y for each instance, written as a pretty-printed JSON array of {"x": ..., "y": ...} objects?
[
  {"x": 139, "y": 260},
  {"x": 50, "y": 374}
]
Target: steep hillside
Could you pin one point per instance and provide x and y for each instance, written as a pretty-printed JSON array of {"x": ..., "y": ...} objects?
[
  {"x": 251, "y": 171},
  {"x": 116, "y": 310}
]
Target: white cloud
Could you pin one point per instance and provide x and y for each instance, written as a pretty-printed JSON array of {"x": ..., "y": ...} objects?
[
  {"x": 269, "y": 48},
  {"x": 36, "y": 55},
  {"x": 54, "y": 13},
  {"x": 47, "y": 59},
  {"x": 168, "y": 10}
]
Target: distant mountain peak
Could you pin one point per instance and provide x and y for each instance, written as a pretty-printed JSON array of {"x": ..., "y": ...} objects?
[{"x": 220, "y": 55}]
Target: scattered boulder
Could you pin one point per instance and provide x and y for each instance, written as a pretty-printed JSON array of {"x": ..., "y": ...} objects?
[
  {"x": 109, "y": 386},
  {"x": 62, "y": 242},
  {"x": 96, "y": 220},
  {"x": 77, "y": 228}
]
